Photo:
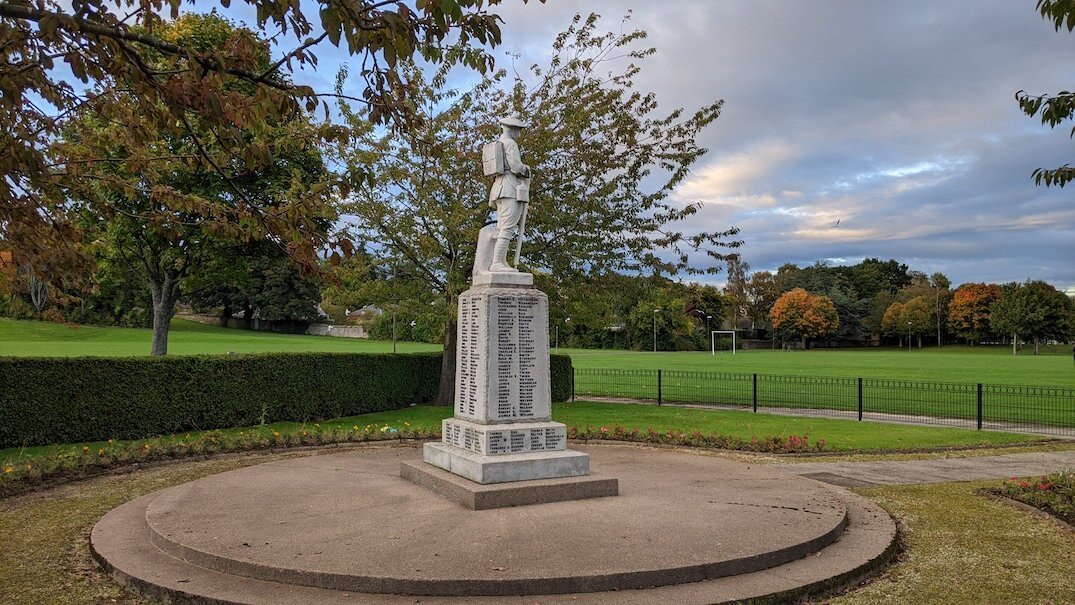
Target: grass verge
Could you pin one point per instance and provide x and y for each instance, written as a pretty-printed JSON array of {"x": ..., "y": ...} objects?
[{"x": 965, "y": 548}]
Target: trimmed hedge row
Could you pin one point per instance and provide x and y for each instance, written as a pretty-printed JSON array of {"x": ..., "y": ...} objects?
[{"x": 73, "y": 399}]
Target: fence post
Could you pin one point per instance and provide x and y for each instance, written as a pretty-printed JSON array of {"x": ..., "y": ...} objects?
[
  {"x": 573, "y": 370},
  {"x": 755, "y": 397},
  {"x": 658, "y": 387},
  {"x": 979, "y": 406},
  {"x": 860, "y": 400}
]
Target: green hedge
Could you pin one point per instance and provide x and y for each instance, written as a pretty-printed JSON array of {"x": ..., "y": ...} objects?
[
  {"x": 74, "y": 399},
  {"x": 563, "y": 377}
]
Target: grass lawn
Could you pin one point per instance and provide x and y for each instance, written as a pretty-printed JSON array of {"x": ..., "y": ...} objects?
[
  {"x": 993, "y": 365},
  {"x": 839, "y": 435},
  {"x": 965, "y": 548},
  {"x": 38, "y": 338},
  {"x": 970, "y": 550}
]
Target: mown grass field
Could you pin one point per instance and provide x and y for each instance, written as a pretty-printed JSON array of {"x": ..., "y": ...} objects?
[
  {"x": 993, "y": 365},
  {"x": 38, "y": 338}
]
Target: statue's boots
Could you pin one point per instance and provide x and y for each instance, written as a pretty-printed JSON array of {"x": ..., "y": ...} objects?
[{"x": 500, "y": 256}]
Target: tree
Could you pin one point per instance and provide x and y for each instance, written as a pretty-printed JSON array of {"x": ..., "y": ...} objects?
[
  {"x": 918, "y": 316},
  {"x": 761, "y": 294},
  {"x": 968, "y": 311},
  {"x": 604, "y": 165},
  {"x": 187, "y": 89},
  {"x": 255, "y": 278},
  {"x": 942, "y": 293},
  {"x": 936, "y": 289},
  {"x": 736, "y": 288},
  {"x": 1053, "y": 109},
  {"x": 146, "y": 199},
  {"x": 1034, "y": 310},
  {"x": 892, "y": 322},
  {"x": 797, "y": 313}
]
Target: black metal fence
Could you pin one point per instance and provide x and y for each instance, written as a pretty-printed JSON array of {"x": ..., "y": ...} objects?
[{"x": 1042, "y": 410}]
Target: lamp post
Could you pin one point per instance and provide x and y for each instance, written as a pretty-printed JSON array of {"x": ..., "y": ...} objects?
[
  {"x": 908, "y": 337},
  {"x": 558, "y": 334},
  {"x": 655, "y": 312}
]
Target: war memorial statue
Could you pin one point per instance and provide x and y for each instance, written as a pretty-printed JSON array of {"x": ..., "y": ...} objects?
[
  {"x": 509, "y": 196},
  {"x": 502, "y": 430}
]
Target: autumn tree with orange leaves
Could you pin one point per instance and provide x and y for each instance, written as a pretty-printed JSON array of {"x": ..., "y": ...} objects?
[
  {"x": 968, "y": 311},
  {"x": 800, "y": 314}
]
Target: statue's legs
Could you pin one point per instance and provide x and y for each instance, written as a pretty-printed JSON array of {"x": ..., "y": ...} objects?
[
  {"x": 507, "y": 220},
  {"x": 500, "y": 256}
]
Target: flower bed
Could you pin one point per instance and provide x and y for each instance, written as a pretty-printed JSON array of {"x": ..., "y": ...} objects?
[
  {"x": 76, "y": 463},
  {"x": 1054, "y": 494},
  {"x": 775, "y": 444}
]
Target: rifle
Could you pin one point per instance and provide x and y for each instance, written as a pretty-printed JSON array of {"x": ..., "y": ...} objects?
[{"x": 522, "y": 194}]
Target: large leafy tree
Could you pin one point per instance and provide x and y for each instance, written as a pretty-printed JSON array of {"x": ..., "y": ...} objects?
[
  {"x": 736, "y": 288},
  {"x": 968, "y": 311},
  {"x": 605, "y": 162},
  {"x": 1034, "y": 310},
  {"x": 253, "y": 278},
  {"x": 1056, "y": 109},
  {"x": 913, "y": 318},
  {"x": 936, "y": 289},
  {"x": 162, "y": 211},
  {"x": 761, "y": 294},
  {"x": 188, "y": 90},
  {"x": 800, "y": 314}
]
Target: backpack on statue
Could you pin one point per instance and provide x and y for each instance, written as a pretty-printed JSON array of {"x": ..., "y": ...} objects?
[{"x": 493, "y": 158}]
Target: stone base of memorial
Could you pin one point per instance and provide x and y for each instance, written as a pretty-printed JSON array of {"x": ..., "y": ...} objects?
[{"x": 502, "y": 430}]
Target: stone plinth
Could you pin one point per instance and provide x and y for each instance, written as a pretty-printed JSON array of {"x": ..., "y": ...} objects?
[
  {"x": 503, "y": 430},
  {"x": 503, "y": 468},
  {"x": 502, "y": 356},
  {"x": 477, "y": 496}
]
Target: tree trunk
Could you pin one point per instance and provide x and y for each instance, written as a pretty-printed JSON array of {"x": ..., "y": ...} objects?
[
  {"x": 446, "y": 390},
  {"x": 164, "y": 298},
  {"x": 919, "y": 341},
  {"x": 1015, "y": 339},
  {"x": 938, "y": 330},
  {"x": 1037, "y": 343},
  {"x": 225, "y": 315},
  {"x": 804, "y": 343}
]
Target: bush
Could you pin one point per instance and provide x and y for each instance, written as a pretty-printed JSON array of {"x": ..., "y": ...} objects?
[
  {"x": 75, "y": 399},
  {"x": 563, "y": 377},
  {"x": 57, "y": 400}
]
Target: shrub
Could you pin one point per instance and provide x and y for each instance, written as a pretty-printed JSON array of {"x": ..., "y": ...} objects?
[
  {"x": 58, "y": 400},
  {"x": 563, "y": 377},
  {"x": 76, "y": 399}
]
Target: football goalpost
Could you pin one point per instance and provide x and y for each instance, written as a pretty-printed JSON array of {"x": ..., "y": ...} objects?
[{"x": 713, "y": 340}]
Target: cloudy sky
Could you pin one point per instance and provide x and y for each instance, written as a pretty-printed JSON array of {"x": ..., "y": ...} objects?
[{"x": 896, "y": 120}]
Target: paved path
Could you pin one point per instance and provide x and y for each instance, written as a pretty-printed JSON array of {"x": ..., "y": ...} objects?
[{"x": 890, "y": 472}]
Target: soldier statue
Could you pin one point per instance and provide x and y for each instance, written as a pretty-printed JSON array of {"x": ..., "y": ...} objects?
[{"x": 509, "y": 197}]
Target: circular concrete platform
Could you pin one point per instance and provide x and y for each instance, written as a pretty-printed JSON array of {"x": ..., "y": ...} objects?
[{"x": 346, "y": 523}]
